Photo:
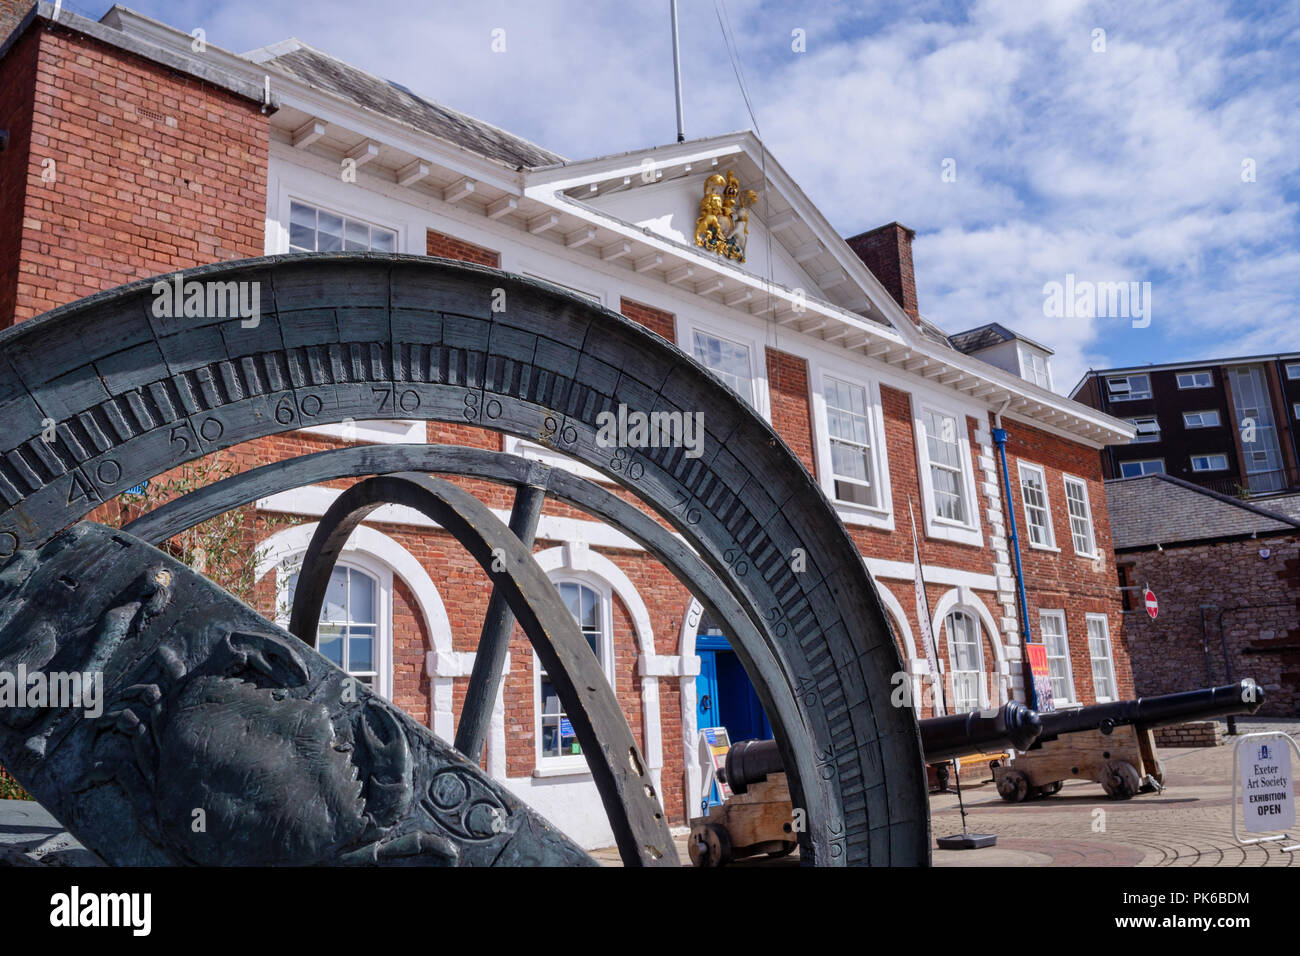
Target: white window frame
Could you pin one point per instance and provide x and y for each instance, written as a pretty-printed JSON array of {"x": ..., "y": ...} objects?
[
  {"x": 686, "y": 329},
  {"x": 565, "y": 764},
  {"x": 937, "y": 526},
  {"x": 982, "y": 700},
  {"x": 752, "y": 399},
  {"x": 1066, "y": 481},
  {"x": 1209, "y": 458},
  {"x": 325, "y": 207},
  {"x": 1192, "y": 379},
  {"x": 1293, "y": 371},
  {"x": 1142, "y": 461},
  {"x": 1295, "y": 410},
  {"x": 1023, "y": 469},
  {"x": 1126, "y": 394},
  {"x": 383, "y": 576},
  {"x": 1144, "y": 427},
  {"x": 881, "y": 513},
  {"x": 1109, "y": 659},
  {"x": 1071, "y": 698},
  {"x": 1027, "y": 370},
  {"x": 378, "y": 431},
  {"x": 1200, "y": 419}
]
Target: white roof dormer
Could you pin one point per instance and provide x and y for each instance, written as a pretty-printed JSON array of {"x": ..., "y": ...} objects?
[{"x": 1002, "y": 348}]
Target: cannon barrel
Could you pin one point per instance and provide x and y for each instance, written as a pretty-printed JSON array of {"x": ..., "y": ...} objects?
[
  {"x": 1244, "y": 697},
  {"x": 942, "y": 738},
  {"x": 1013, "y": 725},
  {"x": 750, "y": 761}
]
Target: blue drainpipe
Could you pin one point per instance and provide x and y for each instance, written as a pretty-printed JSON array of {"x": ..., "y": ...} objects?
[{"x": 1000, "y": 439}]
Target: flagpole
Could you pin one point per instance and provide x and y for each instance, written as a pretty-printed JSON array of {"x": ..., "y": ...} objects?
[{"x": 677, "y": 75}]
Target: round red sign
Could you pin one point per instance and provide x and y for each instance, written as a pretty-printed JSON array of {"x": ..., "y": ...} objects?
[{"x": 1153, "y": 607}]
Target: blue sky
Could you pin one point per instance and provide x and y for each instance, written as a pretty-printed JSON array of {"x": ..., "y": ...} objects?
[{"x": 1115, "y": 164}]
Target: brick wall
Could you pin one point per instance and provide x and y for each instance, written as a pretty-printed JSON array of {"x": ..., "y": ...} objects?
[
  {"x": 450, "y": 247},
  {"x": 662, "y": 323},
  {"x": 149, "y": 174},
  {"x": 900, "y": 447},
  {"x": 1254, "y": 612},
  {"x": 1199, "y": 733},
  {"x": 1061, "y": 579},
  {"x": 791, "y": 409}
]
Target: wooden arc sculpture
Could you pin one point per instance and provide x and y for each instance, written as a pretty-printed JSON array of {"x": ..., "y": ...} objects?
[{"x": 100, "y": 395}]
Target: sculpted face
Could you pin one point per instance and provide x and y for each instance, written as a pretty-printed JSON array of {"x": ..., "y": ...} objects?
[{"x": 288, "y": 791}]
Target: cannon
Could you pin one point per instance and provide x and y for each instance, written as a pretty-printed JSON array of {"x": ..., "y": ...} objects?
[
  {"x": 1012, "y": 725},
  {"x": 758, "y": 819},
  {"x": 1112, "y": 743},
  {"x": 1243, "y": 697}
]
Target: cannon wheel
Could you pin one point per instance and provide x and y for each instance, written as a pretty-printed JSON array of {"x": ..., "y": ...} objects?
[
  {"x": 709, "y": 845},
  {"x": 126, "y": 395},
  {"x": 1013, "y": 786},
  {"x": 1120, "y": 779}
]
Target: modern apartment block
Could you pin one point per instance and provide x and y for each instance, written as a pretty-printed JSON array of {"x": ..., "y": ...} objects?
[{"x": 1227, "y": 424}]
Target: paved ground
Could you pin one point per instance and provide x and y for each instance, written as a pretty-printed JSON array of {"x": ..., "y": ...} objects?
[
  {"x": 29, "y": 836},
  {"x": 1189, "y": 824}
]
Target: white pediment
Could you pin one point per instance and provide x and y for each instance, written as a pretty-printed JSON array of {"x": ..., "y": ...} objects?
[
  {"x": 790, "y": 243},
  {"x": 671, "y": 209}
]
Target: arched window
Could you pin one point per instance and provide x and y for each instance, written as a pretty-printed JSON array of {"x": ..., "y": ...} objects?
[
  {"x": 965, "y": 661},
  {"x": 590, "y": 607},
  {"x": 354, "y": 624}
]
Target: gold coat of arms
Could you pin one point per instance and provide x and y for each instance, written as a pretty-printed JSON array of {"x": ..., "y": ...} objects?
[{"x": 723, "y": 226}]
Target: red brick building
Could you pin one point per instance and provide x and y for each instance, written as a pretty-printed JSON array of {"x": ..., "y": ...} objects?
[
  {"x": 1226, "y": 575},
  {"x": 133, "y": 153}
]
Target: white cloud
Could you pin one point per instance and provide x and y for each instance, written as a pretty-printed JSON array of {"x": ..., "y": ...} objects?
[{"x": 1120, "y": 164}]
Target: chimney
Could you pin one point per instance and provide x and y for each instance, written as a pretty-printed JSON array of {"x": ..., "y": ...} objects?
[{"x": 887, "y": 252}]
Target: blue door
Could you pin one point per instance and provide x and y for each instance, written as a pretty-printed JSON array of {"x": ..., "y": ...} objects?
[{"x": 725, "y": 697}]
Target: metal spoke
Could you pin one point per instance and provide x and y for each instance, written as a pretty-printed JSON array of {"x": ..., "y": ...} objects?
[
  {"x": 616, "y": 763},
  {"x": 494, "y": 642}
]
